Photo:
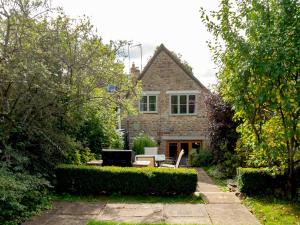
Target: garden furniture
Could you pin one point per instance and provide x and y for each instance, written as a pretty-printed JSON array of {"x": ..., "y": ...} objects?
[
  {"x": 177, "y": 162},
  {"x": 148, "y": 158}
]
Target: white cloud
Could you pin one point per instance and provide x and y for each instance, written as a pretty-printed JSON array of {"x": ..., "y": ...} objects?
[{"x": 176, "y": 23}]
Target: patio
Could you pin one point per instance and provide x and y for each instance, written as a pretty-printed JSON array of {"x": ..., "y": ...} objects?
[{"x": 221, "y": 209}]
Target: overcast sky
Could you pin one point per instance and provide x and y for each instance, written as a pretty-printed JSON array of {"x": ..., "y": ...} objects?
[{"x": 175, "y": 23}]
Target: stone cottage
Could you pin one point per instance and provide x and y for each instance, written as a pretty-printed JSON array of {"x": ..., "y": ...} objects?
[{"x": 171, "y": 108}]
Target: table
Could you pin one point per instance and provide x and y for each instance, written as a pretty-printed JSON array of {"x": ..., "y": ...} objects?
[
  {"x": 141, "y": 163},
  {"x": 95, "y": 163},
  {"x": 158, "y": 158}
]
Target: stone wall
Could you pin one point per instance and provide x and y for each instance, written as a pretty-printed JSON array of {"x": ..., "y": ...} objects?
[{"x": 163, "y": 75}]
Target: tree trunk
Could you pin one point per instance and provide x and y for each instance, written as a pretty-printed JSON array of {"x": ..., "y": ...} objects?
[{"x": 291, "y": 182}]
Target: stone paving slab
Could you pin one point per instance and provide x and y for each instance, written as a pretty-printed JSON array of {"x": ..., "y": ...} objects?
[
  {"x": 205, "y": 183},
  {"x": 78, "y": 208},
  {"x": 186, "y": 214},
  {"x": 230, "y": 214},
  {"x": 220, "y": 197},
  {"x": 188, "y": 220},
  {"x": 54, "y": 219},
  {"x": 132, "y": 212},
  {"x": 185, "y": 210}
]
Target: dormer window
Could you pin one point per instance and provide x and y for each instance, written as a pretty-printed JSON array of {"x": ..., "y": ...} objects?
[{"x": 148, "y": 102}]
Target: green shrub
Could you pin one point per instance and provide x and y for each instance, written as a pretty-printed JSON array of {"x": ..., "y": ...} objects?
[
  {"x": 22, "y": 195},
  {"x": 141, "y": 141},
  {"x": 93, "y": 180},
  {"x": 117, "y": 140},
  {"x": 253, "y": 181},
  {"x": 201, "y": 158},
  {"x": 78, "y": 154}
]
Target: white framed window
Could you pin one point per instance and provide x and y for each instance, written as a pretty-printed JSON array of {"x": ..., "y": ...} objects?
[
  {"x": 148, "y": 104},
  {"x": 182, "y": 104}
]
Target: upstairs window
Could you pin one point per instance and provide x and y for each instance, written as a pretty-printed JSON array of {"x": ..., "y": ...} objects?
[
  {"x": 183, "y": 104},
  {"x": 148, "y": 104}
]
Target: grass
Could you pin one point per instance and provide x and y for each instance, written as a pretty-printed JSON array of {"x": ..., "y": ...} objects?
[
  {"x": 115, "y": 198},
  {"x": 272, "y": 211}
]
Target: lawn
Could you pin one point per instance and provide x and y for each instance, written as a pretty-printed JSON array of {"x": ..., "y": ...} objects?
[
  {"x": 272, "y": 211},
  {"x": 130, "y": 199}
]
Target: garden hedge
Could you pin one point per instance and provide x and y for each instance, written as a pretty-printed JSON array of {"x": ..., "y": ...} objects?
[
  {"x": 254, "y": 181},
  {"x": 93, "y": 180}
]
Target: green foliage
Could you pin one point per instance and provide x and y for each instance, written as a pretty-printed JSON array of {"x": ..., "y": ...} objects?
[
  {"x": 201, "y": 158},
  {"x": 118, "y": 198},
  {"x": 256, "y": 47},
  {"x": 92, "y": 180},
  {"x": 118, "y": 141},
  {"x": 141, "y": 141},
  {"x": 253, "y": 181},
  {"x": 223, "y": 134},
  {"x": 273, "y": 211},
  {"x": 78, "y": 154},
  {"x": 55, "y": 71},
  {"x": 22, "y": 196}
]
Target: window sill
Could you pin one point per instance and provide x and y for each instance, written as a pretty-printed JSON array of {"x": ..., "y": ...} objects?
[
  {"x": 194, "y": 114},
  {"x": 148, "y": 112}
]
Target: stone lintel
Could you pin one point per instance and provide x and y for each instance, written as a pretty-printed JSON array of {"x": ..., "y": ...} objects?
[{"x": 184, "y": 138}]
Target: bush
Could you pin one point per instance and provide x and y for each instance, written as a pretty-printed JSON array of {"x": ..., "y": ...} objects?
[
  {"x": 253, "y": 181},
  {"x": 22, "y": 195},
  {"x": 202, "y": 158},
  {"x": 93, "y": 180},
  {"x": 78, "y": 154},
  {"x": 141, "y": 141}
]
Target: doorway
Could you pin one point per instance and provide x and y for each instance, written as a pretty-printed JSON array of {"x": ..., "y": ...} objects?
[{"x": 174, "y": 148}]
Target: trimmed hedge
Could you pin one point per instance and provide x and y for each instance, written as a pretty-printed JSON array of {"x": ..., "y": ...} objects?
[
  {"x": 254, "y": 181},
  {"x": 93, "y": 180}
]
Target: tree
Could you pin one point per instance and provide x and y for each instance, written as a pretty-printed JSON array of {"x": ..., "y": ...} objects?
[
  {"x": 54, "y": 73},
  {"x": 223, "y": 135},
  {"x": 256, "y": 46}
]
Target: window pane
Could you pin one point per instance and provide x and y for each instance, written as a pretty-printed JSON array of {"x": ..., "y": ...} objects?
[
  {"x": 196, "y": 146},
  {"x": 174, "y": 99},
  {"x": 143, "y": 104},
  {"x": 152, "y": 107},
  {"x": 191, "y": 108},
  {"x": 143, "y": 107},
  {"x": 182, "y": 99},
  {"x": 144, "y": 99},
  {"x": 174, "y": 109},
  {"x": 183, "y": 109},
  {"x": 152, "y": 99},
  {"x": 192, "y": 98}
]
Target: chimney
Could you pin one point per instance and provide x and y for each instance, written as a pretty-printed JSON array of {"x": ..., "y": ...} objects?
[{"x": 134, "y": 71}]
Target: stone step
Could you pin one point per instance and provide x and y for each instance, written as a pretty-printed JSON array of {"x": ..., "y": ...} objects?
[{"x": 220, "y": 197}]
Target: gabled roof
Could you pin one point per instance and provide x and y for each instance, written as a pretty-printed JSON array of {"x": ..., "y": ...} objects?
[{"x": 175, "y": 59}]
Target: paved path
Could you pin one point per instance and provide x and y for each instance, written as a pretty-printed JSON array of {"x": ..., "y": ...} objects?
[
  {"x": 222, "y": 209},
  {"x": 211, "y": 192}
]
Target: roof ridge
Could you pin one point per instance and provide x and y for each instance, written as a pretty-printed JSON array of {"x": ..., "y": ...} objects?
[{"x": 175, "y": 59}]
